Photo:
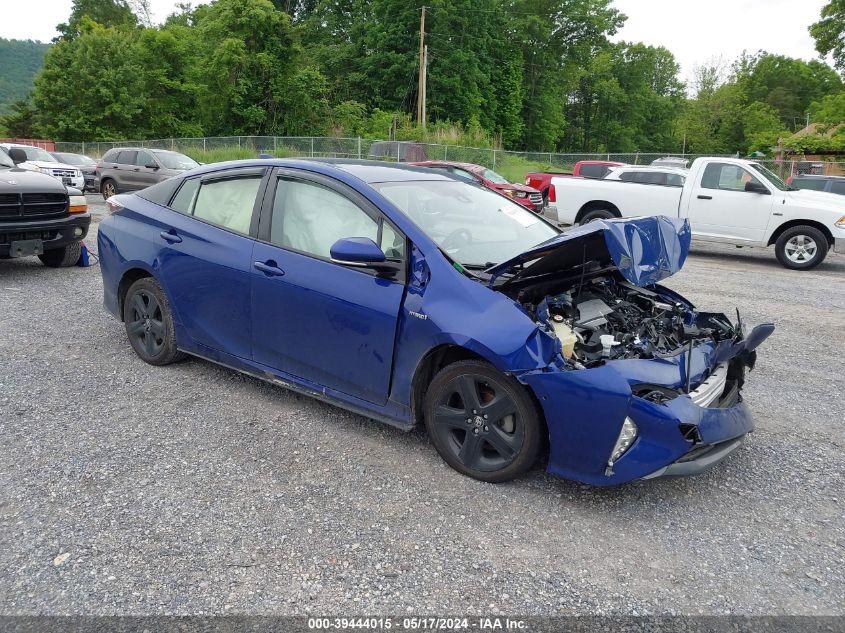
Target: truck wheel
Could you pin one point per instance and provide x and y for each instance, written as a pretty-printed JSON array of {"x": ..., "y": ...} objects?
[
  {"x": 62, "y": 257},
  {"x": 801, "y": 247},
  {"x": 597, "y": 214}
]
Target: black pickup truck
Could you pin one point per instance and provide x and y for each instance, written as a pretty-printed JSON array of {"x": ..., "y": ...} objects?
[{"x": 39, "y": 216}]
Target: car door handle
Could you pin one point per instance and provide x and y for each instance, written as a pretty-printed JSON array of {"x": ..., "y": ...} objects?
[
  {"x": 137, "y": 169},
  {"x": 269, "y": 268},
  {"x": 705, "y": 197},
  {"x": 171, "y": 237}
]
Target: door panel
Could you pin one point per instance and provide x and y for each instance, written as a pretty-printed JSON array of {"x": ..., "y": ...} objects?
[
  {"x": 145, "y": 176},
  {"x": 207, "y": 274},
  {"x": 206, "y": 257},
  {"x": 720, "y": 208},
  {"x": 324, "y": 322}
]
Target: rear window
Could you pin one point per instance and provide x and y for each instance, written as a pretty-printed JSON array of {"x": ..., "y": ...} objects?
[
  {"x": 593, "y": 171},
  {"x": 838, "y": 186},
  {"x": 816, "y": 184},
  {"x": 111, "y": 156}
]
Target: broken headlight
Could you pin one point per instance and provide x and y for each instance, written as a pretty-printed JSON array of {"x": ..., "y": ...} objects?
[{"x": 627, "y": 435}]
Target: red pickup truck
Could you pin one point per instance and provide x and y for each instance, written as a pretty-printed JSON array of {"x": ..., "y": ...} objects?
[{"x": 542, "y": 180}]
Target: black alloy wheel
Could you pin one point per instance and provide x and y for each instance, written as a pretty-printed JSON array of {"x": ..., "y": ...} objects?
[
  {"x": 149, "y": 324},
  {"x": 482, "y": 422}
]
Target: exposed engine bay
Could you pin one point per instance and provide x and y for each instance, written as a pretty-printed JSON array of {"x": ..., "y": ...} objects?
[{"x": 608, "y": 318}]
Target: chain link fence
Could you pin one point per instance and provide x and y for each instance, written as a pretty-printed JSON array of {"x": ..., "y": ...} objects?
[{"x": 214, "y": 148}]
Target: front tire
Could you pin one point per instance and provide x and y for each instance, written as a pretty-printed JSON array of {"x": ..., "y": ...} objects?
[
  {"x": 482, "y": 423},
  {"x": 108, "y": 188},
  {"x": 149, "y": 323},
  {"x": 63, "y": 257},
  {"x": 801, "y": 247},
  {"x": 596, "y": 214}
]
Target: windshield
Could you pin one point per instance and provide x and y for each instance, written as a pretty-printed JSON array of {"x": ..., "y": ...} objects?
[
  {"x": 75, "y": 159},
  {"x": 5, "y": 161},
  {"x": 492, "y": 176},
  {"x": 175, "y": 160},
  {"x": 474, "y": 226},
  {"x": 36, "y": 153},
  {"x": 771, "y": 176}
]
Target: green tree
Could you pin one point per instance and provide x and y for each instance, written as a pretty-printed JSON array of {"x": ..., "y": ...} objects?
[
  {"x": 829, "y": 32},
  {"x": 19, "y": 121},
  {"x": 115, "y": 13},
  {"x": 22, "y": 59},
  {"x": 762, "y": 127},
  {"x": 247, "y": 57}
]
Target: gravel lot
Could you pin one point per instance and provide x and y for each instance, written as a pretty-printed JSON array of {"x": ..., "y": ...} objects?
[{"x": 191, "y": 489}]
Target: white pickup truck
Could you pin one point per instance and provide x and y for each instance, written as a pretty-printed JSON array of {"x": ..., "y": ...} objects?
[{"x": 726, "y": 200}]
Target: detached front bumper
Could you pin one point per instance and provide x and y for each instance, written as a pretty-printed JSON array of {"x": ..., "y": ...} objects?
[{"x": 585, "y": 409}]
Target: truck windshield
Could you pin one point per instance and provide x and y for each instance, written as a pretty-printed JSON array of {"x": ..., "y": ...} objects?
[
  {"x": 474, "y": 226},
  {"x": 771, "y": 176},
  {"x": 5, "y": 161}
]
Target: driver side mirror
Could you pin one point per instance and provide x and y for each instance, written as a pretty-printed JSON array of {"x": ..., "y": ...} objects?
[
  {"x": 17, "y": 155},
  {"x": 752, "y": 186},
  {"x": 362, "y": 252}
]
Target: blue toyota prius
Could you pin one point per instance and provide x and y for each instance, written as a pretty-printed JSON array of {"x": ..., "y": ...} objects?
[{"x": 412, "y": 297}]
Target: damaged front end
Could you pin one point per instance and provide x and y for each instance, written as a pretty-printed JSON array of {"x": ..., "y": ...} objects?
[{"x": 643, "y": 384}]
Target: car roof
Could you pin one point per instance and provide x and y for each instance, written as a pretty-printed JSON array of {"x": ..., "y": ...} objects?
[{"x": 368, "y": 171}]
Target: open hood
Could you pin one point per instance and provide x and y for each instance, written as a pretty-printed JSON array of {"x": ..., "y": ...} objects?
[{"x": 645, "y": 250}]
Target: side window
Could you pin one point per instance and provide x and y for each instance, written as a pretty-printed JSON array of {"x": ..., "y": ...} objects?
[
  {"x": 228, "y": 203},
  {"x": 143, "y": 159},
  {"x": 837, "y": 186},
  {"x": 674, "y": 180},
  {"x": 310, "y": 218},
  {"x": 126, "y": 157},
  {"x": 110, "y": 156},
  {"x": 628, "y": 176},
  {"x": 593, "y": 171},
  {"x": 183, "y": 202},
  {"x": 809, "y": 183},
  {"x": 725, "y": 177}
]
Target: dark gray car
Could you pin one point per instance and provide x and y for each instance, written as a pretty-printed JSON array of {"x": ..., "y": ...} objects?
[
  {"x": 87, "y": 165},
  {"x": 132, "y": 168}
]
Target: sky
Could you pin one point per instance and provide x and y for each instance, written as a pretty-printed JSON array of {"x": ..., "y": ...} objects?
[{"x": 695, "y": 31}]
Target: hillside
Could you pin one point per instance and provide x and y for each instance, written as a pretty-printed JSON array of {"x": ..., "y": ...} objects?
[{"x": 21, "y": 60}]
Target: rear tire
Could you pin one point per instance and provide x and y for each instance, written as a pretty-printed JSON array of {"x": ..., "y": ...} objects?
[
  {"x": 149, "y": 323},
  {"x": 63, "y": 257},
  {"x": 597, "y": 214},
  {"x": 505, "y": 431},
  {"x": 801, "y": 247}
]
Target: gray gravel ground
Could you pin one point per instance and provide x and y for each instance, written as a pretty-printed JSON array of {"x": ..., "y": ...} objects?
[{"x": 191, "y": 489}]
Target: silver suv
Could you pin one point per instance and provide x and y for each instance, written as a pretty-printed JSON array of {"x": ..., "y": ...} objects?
[{"x": 133, "y": 168}]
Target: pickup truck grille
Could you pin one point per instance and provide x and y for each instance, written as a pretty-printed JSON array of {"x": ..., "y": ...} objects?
[
  {"x": 64, "y": 173},
  {"x": 536, "y": 198},
  {"x": 32, "y": 205}
]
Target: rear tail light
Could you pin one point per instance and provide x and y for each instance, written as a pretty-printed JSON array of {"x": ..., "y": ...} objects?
[
  {"x": 552, "y": 194},
  {"x": 113, "y": 205}
]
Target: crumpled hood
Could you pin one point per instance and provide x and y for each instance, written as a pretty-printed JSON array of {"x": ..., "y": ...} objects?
[{"x": 645, "y": 250}]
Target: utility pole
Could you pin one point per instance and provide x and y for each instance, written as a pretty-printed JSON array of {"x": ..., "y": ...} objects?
[
  {"x": 424, "y": 83},
  {"x": 421, "y": 79}
]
